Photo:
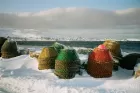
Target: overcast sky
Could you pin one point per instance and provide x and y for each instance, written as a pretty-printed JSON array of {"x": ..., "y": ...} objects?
[
  {"x": 69, "y": 14},
  {"x": 72, "y": 18}
]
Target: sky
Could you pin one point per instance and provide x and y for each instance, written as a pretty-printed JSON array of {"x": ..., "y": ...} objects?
[{"x": 39, "y": 5}]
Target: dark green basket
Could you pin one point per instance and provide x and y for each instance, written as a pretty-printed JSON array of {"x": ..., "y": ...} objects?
[
  {"x": 67, "y": 64},
  {"x": 9, "y": 49},
  {"x": 68, "y": 55}
]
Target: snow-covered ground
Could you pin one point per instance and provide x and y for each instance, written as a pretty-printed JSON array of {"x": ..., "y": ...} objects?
[{"x": 21, "y": 75}]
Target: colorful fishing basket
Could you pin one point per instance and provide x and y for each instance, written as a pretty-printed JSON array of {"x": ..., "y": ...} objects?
[
  {"x": 114, "y": 47},
  {"x": 67, "y": 64},
  {"x": 58, "y": 46},
  {"x": 100, "y": 63},
  {"x": 9, "y": 49},
  {"x": 47, "y": 58}
]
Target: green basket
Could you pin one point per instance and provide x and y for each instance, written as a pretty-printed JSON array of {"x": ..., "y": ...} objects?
[
  {"x": 67, "y": 55},
  {"x": 58, "y": 46},
  {"x": 67, "y": 64}
]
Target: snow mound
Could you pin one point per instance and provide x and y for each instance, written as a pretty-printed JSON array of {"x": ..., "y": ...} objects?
[{"x": 21, "y": 75}]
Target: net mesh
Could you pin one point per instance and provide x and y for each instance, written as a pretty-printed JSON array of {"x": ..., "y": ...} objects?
[{"x": 47, "y": 58}]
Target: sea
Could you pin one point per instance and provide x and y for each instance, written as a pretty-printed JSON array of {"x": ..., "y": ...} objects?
[{"x": 126, "y": 46}]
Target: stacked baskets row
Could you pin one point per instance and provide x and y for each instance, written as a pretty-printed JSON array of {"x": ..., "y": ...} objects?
[{"x": 66, "y": 63}]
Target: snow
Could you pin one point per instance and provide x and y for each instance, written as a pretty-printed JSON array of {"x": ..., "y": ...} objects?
[
  {"x": 67, "y": 34},
  {"x": 21, "y": 75},
  {"x": 137, "y": 67}
]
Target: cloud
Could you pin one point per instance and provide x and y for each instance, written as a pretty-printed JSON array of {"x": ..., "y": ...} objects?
[{"x": 72, "y": 18}]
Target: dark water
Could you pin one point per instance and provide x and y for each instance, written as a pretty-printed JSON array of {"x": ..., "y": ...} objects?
[{"x": 126, "y": 46}]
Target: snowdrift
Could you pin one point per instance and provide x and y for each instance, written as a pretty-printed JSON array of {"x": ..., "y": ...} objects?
[{"x": 21, "y": 75}]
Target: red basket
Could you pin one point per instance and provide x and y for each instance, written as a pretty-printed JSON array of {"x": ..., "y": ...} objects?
[{"x": 100, "y": 63}]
